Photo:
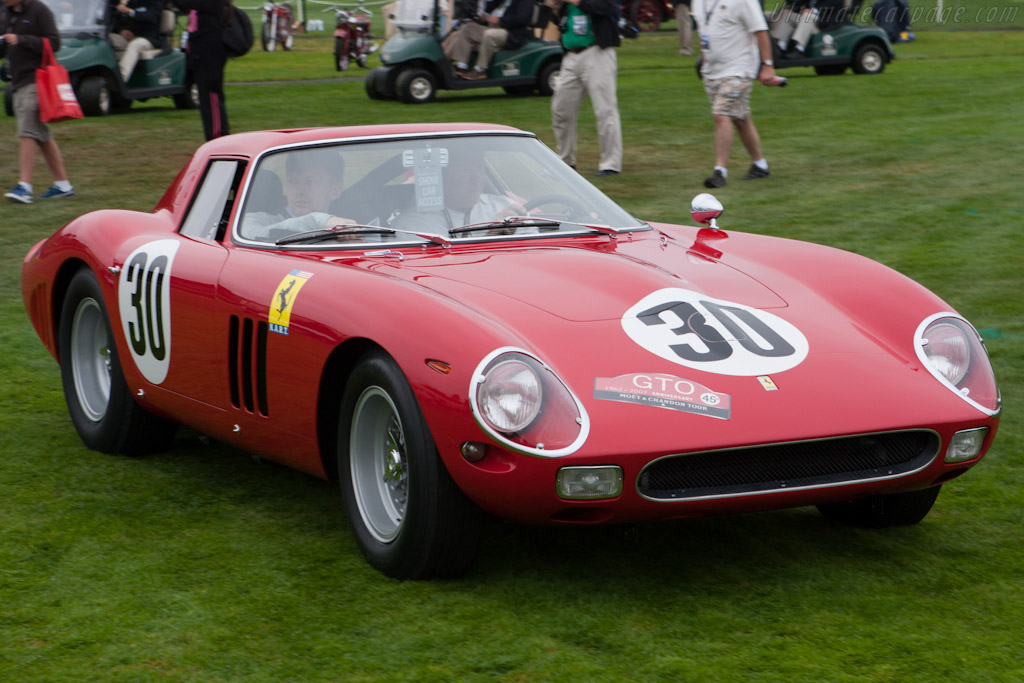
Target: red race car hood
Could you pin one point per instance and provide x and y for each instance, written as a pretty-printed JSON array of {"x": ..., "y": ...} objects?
[{"x": 599, "y": 282}]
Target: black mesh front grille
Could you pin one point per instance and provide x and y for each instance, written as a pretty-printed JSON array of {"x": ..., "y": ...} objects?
[{"x": 786, "y": 466}]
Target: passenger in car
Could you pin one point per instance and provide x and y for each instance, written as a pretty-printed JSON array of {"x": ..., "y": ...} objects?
[
  {"x": 313, "y": 179},
  {"x": 465, "y": 201}
]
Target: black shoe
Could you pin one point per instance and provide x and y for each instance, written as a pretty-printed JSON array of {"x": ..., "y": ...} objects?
[
  {"x": 756, "y": 172},
  {"x": 715, "y": 180},
  {"x": 606, "y": 172}
]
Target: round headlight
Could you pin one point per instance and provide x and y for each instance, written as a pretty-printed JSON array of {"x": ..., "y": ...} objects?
[
  {"x": 510, "y": 396},
  {"x": 948, "y": 350}
]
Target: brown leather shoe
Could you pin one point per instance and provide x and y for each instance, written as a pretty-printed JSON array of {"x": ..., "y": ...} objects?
[{"x": 472, "y": 74}]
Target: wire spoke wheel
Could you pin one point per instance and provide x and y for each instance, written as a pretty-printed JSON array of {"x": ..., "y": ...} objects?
[{"x": 379, "y": 464}]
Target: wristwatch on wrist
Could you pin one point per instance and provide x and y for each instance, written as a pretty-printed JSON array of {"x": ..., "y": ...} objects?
[{"x": 767, "y": 62}]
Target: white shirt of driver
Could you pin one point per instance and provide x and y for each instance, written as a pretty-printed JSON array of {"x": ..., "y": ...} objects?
[{"x": 729, "y": 26}]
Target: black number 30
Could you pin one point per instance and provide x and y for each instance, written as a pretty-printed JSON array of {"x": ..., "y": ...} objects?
[
  {"x": 147, "y": 278},
  {"x": 738, "y": 321}
]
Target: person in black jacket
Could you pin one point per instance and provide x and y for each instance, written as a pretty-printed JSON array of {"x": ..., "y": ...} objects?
[
  {"x": 206, "y": 59},
  {"x": 506, "y": 25},
  {"x": 141, "y": 32},
  {"x": 590, "y": 34},
  {"x": 24, "y": 24}
]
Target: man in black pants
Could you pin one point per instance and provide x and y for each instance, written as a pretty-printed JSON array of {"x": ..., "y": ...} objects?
[{"x": 206, "y": 58}]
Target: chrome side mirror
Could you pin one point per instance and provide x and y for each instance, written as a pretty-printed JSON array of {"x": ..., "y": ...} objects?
[{"x": 705, "y": 208}]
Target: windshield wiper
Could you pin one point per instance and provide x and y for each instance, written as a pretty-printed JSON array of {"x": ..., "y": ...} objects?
[
  {"x": 530, "y": 222},
  {"x": 509, "y": 222},
  {"x": 313, "y": 236}
]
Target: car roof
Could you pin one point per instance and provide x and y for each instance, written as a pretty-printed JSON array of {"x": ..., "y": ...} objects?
[{"x": 254, "y": 142}]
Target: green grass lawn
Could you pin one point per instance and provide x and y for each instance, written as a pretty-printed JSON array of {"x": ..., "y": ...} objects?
[{"x": 203, "y": 564}]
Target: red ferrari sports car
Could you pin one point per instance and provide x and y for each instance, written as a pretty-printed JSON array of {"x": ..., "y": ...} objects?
[{"x": 451, "y": 322}]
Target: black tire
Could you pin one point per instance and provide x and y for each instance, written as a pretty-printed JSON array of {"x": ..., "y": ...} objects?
[
  {"x": 409, "y": 518},
  {"x": 416, "y": 86},
  {"x": 546, "y": 78},
  {"x": 885, "y": 510},
  {"x": 869, "y": 59},
  {"x": 374, "y": 83},
  {"x": 8, "y": 101},
  {"x": 94, "y": 96},
  {"x": 104, "y": 413},
  {"x": 830, "y": 69},
  {"x": 188, "y": 98}
]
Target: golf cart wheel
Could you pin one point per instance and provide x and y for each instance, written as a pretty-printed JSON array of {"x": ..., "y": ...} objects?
[
  {"x": 869, "y": 59},
  {"x": 547, "y": 77},
  {"x": 188, "y": 98},
  {"x": 376, "y": 82},
  {"x": 94, "y": 96},
  {"x": 416, "y": 86}
]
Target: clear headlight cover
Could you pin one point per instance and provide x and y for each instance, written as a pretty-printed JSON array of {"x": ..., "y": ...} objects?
[
  {"x": 954, "y": 353},
  {"x": 522, "y": 404}
]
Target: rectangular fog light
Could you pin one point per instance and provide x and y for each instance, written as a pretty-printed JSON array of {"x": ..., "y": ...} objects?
[
  {"x": 576, "y": 483},
  {"x": 966, "y": 444}
]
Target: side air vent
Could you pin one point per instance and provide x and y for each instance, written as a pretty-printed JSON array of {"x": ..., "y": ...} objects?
[{"x": 247, "y": 365}]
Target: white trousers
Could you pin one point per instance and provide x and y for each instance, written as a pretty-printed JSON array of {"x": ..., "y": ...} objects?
[
  {"x": 592, "y": 72},
  {"x": 131, "y": 55}
]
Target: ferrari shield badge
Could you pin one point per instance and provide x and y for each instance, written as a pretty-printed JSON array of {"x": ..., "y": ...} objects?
[
  {"x": 284, "y": 299},
  {"x": 692, "y": 329}
]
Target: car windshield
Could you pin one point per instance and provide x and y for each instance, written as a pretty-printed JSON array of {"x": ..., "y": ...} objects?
[
  {"x": 458, "y": 187},
  {"x": 78, "y": 16}
]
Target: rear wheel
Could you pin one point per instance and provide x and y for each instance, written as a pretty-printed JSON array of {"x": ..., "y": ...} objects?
[
  {"x": 869, "y": 59},
  {"x": 94, "y": 96},
  {"x": 885, "y": 510},
  {"x": 416, "y": 86},
  {"x": 409, "y": 518},
  {"x": 188, "y": 98},
  {"x": 102, "y": 408},
  {"x": 376, "y": 83},
  {"x": 547, "y": 77}
]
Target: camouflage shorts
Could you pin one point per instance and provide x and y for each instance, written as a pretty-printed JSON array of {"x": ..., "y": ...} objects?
[{"x": 729, "y": 96}]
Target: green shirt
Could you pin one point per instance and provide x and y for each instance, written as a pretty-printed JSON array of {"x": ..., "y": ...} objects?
[{"x": 578, "y": 31}]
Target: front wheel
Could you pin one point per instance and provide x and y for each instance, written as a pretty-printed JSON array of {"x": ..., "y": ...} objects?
[
  {"x": 94, "y": 96},
  {"x": 268, "y": 37},
  {"x": 340, "y": 54},
  {"x": 416, "y": 86},
  {"x": 884, "y": 510},
  {"x": 409, "y": 518},
  {"x": 102, "y": 409},
  {"x": 869, "y": 59}
]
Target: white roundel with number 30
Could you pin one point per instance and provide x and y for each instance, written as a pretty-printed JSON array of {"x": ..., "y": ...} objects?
[
  {"x": 692, "y": 329},
  {"x": 144, "y": 301}
]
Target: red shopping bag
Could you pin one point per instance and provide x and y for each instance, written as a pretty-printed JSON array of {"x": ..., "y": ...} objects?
[{"x": 57, "y": 101}]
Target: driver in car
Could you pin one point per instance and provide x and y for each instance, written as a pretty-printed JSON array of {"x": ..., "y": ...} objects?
[
  {"x": 465, "y": 201},
  {"x": 313, "y": 180}
]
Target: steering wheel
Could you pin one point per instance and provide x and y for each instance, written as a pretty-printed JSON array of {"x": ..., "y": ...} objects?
[{"x": 577, "y": 212}]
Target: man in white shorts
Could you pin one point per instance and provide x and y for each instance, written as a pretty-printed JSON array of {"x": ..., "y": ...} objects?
[{"x": 736, "y": 50}]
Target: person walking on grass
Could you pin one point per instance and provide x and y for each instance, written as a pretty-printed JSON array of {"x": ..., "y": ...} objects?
[
  {"x": 736, "y": 51},
  {"x": 24, "y": 24}
]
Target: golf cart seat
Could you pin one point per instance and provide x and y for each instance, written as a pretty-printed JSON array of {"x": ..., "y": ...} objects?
[{"x": 168, "y": 21}]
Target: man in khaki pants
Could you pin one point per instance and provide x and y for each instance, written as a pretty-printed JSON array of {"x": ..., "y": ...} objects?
[{"x": 590, "y": 35}]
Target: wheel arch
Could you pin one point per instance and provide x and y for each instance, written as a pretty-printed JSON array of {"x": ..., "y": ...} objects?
[
  {"x": 59, "y": 290},
  {"x": 333, "y": 378}
]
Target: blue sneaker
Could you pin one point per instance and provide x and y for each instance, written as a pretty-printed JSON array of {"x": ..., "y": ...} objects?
[
  {"x": 19, "y": 194},
  {"x": 55, "y": 191}
]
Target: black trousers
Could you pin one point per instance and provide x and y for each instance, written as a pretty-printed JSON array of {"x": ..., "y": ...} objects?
[{"x": 208, "y": 75}]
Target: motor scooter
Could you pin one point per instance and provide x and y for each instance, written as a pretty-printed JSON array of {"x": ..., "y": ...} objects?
[
  {"x": 352, "y": 38},
  {"x": 278, "y": 26}
]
